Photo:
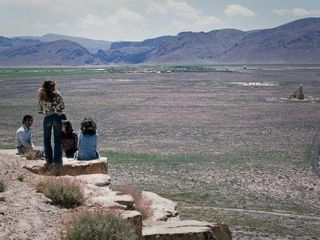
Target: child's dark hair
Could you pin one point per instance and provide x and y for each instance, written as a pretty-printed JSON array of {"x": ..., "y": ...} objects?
[
  {"x": 88, "y": 127},
  {"x": 69, "y": 129},
  {"x": 25, "y": 118}
]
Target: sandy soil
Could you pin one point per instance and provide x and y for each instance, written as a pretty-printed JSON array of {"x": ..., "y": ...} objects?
[{"x": 24, "y": 213}]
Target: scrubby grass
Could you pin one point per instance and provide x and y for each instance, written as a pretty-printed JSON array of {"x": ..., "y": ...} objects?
[
  {"x": 141, "y": 204},
  {"x": 99, "y": 226},
  {"x": 62, "y": 192},
  {"x": 2, "y": 186}
]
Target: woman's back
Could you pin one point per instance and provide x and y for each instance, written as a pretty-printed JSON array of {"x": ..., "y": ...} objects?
[{"x": 87, "y": 147}]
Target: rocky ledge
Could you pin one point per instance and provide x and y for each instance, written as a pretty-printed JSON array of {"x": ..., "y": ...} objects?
[{"x": 163, "y": 222}]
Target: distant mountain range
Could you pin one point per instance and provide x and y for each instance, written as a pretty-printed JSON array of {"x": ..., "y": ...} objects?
[
  {"x": 297, "y": 42},
  {"x": 92, "y": 45}
]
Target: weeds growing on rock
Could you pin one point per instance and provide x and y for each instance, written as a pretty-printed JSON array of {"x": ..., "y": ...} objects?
[
  {"x": 143, "y": 205},
  {"x": 20, "y": 178},
  {"x": 99, "y": 226},
  {"x": 2, "y": 186},
  {"x": 62, "y": 192}
]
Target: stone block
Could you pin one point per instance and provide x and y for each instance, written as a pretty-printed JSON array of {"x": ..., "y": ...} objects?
[
  {"x": 186, "y": 230},
  {"x": 71, "y": 167},
  {"x": 108, "y": 198},
  {"x": 163, "y": 209},
  {"x": 99, "y": 180}
]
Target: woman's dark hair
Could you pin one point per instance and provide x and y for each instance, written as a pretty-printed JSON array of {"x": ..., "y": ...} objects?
[
  {"x": 48, "y": 91},
  {"x": 88, "y": 127},
  {"x": 25, "y": 118},
  {"x": 69, "y": 129}
]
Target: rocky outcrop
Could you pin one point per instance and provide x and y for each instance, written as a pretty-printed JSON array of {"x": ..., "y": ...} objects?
[
  {"x": 298, "y": 94},
  {"x": 163, "y": 209},
  {"x": 164, "y": 222},
  {"x": 71, "y": 167}
]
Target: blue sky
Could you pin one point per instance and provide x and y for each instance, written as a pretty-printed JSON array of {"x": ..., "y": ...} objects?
[{"x": 135, "y": 20}]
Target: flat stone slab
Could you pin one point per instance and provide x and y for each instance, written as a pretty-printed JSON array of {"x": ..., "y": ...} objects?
[
  {"x": 163, "y": 209},
  {"x": 112, "y": 200},
  {"x": 108, "y": 198},
  {"x": 9, "y": 151},
  {"x": 94, "y": 180},
  {"x": 99, "y": 180},
  {"x": 186, "y": 230},
  {"x": 71, "y": 167}
]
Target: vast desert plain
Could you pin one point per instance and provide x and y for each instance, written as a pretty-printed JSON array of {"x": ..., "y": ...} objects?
[{"x": 222, "y": 141}]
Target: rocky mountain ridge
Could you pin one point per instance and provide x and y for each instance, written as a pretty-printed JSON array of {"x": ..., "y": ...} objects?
[{"x": 297, "y": 42}]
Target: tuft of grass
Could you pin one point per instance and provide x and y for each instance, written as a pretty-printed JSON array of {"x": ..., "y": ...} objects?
[
  {"x": 99, "y": 226},
  {"x": 143, "y": 205},
  {"x": 2, "y": 186},
  {"x": 21, "y": 178},
  {"x": 62, "y": 192}
]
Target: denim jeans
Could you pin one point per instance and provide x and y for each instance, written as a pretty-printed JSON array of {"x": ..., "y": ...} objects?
[{"x": 53, "y": 122}]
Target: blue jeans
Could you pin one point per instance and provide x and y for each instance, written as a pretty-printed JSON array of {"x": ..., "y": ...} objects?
[{"x": 49, "y": 122}]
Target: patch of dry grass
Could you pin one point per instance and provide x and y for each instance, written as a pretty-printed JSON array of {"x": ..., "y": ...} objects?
[
  {"x": 96, "y": 225},
  {"x": 142, "y": 204},
  {"x": 21, "y": 178},
  {"x": 2, "y": 186},
  {"x": 63, "y": 192}
]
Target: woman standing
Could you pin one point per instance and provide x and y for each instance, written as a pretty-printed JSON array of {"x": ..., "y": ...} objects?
[{"x": 51, "y": 106}]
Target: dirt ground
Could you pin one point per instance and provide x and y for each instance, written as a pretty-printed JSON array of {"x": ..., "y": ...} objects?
[
  {"x": 245, "y": 146},
  {"x": 24, "y": 213}
]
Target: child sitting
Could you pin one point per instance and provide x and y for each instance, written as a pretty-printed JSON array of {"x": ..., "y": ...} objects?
[
  {"x": 69, "y": 139},
  {"x": 88, "y": 140}
]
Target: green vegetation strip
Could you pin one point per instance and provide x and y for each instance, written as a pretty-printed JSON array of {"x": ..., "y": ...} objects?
[
  {"x": 11, "y": 73},
  {"x": 134, "y": 158},
  {"x": 33, "y": 73},
  {"x": 259, "y": 158}
]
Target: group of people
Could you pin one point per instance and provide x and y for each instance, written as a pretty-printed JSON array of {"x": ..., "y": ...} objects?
[{"x": 82, "y": 146}]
